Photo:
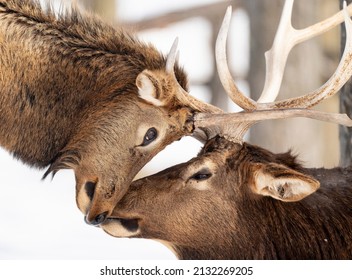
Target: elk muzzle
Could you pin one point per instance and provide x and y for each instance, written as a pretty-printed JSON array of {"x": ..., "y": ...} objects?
[
  {"x": 89, "y": 188},
  {"x": 97, "y": 200}
]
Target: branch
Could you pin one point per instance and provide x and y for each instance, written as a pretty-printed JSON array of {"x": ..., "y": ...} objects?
[{"x": 207, "y": 11}]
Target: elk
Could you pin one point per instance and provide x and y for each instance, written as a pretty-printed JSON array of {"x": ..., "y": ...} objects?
[
  {"x": 239, "y": 201},
  {"x": 75, "y": 95}
]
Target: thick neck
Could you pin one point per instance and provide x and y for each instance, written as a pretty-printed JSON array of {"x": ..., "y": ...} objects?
[
  {"x": 62, "y": 68},
  {"x": 44, "y": 96}
]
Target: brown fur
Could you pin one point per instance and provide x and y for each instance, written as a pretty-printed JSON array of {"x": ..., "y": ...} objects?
[
  {"x": 221, "y": 217},
  {"x": 69, "y": 98}
]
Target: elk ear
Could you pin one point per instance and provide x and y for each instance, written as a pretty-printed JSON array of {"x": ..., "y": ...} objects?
[
  {"x": 148, "y": 89},
  {"x": 282, "y": 183}
]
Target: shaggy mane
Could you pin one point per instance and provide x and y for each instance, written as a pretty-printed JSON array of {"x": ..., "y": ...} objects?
[{"x": 78, "y": 29}]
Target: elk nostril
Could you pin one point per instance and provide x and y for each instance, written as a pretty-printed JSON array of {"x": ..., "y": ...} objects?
[
  {"x": 100, "y": 218},
  {"x": 97, "y": 220},
  {"x": 90, "y": 189}
]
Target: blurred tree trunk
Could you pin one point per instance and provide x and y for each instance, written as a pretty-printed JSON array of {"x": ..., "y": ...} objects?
[
  {"x": 345, "y": 107},
  {"x": 307, "y": 68}
]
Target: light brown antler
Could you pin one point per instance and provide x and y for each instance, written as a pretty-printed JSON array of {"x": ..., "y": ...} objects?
[
  {"x": 183, "y": 96},
  {"x": 294, "y": 36},
  {"x": 286, "y": 38},
  {"x": 223, "y": 70},
  {"x": 235, "y": 125}
]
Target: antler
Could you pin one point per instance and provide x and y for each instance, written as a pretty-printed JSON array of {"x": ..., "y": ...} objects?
[
  {"x": 183, "y": 96},
  {"x": 223, "y": 70},
  {"x": 235, "y": 125},
  {"x": 286, "y": 38}
]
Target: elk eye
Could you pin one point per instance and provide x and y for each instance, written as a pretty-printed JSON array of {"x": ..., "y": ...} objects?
[
  {"x": 150, "y": 136},
  {"x": 204, "y": 174}
]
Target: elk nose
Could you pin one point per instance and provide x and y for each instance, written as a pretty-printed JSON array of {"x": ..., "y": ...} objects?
[{"x": 97, "y": 220}]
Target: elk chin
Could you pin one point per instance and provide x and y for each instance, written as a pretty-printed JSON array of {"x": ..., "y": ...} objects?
[{"x": 121, "y": 227}]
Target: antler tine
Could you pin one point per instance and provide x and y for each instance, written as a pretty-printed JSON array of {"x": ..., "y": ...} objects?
[
  {"x": 223, "y": 70},
  {"x": 285, "y": 39},
  {"x": 337, "y": 80},
  {"x": 183, "y": 96},
  {"x": 172, "y": 57},
  {"x": 276, "y": 57},
  {"x": 323, "y": 26}
]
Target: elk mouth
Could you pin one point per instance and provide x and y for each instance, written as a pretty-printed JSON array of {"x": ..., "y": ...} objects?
[
  {"x": 129, "y": 224},
  {"x": 121, "y": 227}
]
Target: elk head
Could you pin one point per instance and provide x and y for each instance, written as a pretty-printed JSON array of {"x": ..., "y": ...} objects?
[
  {"x": 194, "y": 207},
  {"x": 117, "y": 137}
]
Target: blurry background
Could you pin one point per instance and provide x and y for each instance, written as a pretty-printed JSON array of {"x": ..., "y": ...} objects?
[{"x": 40, "y": 219}]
